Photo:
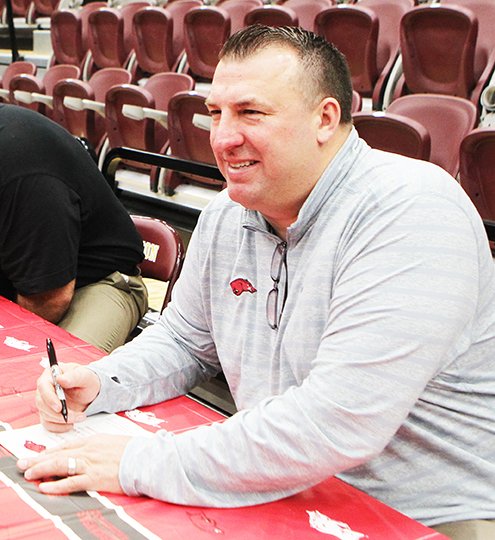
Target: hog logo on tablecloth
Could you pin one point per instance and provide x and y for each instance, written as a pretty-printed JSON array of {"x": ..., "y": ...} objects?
[{"x": 337, "y": 529}]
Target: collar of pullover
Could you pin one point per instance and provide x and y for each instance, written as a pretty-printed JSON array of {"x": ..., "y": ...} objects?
[{"x": 330, "y": 181}]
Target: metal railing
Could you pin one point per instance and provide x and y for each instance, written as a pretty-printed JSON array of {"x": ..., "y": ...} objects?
[
  {"x": 116, "y": 155},
  {"x": 162, "y": 207}
]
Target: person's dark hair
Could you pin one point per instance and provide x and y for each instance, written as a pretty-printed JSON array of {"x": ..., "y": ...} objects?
[{"x": 326, "y": 67}]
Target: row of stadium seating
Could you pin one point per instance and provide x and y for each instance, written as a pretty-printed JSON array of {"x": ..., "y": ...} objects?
[{"x": 113, "y": 94}]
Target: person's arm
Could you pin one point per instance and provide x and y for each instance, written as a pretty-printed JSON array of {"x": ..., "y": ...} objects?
[
  {"x": 40, "y": 237},
  {"x": 168, "y": 358},
  {"x": 405, "y": 291},
  {"x": 51, "y": 305},
  {"x": 156, "y": 365}
]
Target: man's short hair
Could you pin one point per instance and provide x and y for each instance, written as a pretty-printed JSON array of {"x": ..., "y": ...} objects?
[{"x": 326, "y": 68}]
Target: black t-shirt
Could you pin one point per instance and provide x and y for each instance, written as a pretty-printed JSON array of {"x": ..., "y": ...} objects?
[{"x": 59, "y": 218}]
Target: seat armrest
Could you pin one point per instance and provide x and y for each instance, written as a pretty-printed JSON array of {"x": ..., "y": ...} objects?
[
  {"x": 74, "y": 103},
  {"x": 78, "y": 104},
  {"x": 134, "y": 112},
  {"x": 42, "y": 98},
  {"x": 23, "y": 97},
  {"x": 33, "y": 97},
  {"x": 97, "y": 106},
  {"x": 202, "y": 121}
]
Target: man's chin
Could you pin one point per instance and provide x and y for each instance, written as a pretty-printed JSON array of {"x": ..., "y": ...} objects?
[{"x": 239, "y": 195}]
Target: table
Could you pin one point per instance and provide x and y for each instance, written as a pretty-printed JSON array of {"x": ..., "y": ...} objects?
[{"x": 330, "y": 507}]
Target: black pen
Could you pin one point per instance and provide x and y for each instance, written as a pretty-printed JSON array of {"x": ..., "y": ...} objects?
[{"x": 55, "y": 372}]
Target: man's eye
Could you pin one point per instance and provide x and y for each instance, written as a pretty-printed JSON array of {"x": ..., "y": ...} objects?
[
  {"x": 251, "y": 111},
  {"x": 214, "y": 112}
]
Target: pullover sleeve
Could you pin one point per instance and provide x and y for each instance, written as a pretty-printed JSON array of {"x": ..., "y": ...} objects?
[{"x": 403, "y": 298}]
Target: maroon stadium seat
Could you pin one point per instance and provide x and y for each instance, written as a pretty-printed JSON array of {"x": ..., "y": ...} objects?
[
  {"x": 438, "y": 50},
  {"x": 393, "y": 133},
  {"x": 163, "y": 252},
  {"x": 477, "y": 170},
  {"x": 448, "y": 119},
  {"x": 206, "y": 30},
  {"x": 337, "y": 24}
]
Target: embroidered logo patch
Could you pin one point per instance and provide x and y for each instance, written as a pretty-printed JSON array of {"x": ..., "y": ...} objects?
[{"x": 241, "y": 285}]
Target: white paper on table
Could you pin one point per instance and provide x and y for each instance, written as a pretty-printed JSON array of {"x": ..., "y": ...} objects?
[{"x": 28, "y": 441}]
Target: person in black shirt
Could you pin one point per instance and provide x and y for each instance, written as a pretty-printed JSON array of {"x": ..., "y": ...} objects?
[{"x": 68, "y": 248}]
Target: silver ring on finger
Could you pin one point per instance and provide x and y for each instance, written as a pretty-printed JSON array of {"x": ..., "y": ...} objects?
[{"x": 71, "y": 466}]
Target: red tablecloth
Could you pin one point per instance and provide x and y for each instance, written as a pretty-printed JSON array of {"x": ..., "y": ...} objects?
[{"x": 330, "y": 507}]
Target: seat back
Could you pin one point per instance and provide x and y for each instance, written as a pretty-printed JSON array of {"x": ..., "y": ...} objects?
[
  {"x": 357, "y": 102},
  {"x": 336, "y": 24},
  {"x": 389, "y": 13},
  {"x": 66, "y": 37},
  {"x": 58, "y": 73},
  {"x": 127, "y": 12},
  {"x": 44, "y": 8},
  {"x": 272, "y": 15},
  {"x": 26, "y": 83},
  {"x": 12, "y": 70},
  {"x": 104, "y": 79},
  {"x": 79, "y": 123},
  {"x": 163, "y": 87},
  {"x": 438, "y": 48},
  {"x": 122, "y": 131},
  {"x": 163, "y": 252},
  {"x": 238, "y": 10},
  {"x": 111, "y": 37},
  {"x": 393, "y": 133},
  {"x": 307, "y": 10},
  {"x": 187, "y": 140},
  {"x": 20, "y": 8},
  {"x": 15, "y": 68},
  {"x": 206, "y": 30},
  {"x": 448, "y": 120},
  {"x": 177, "y": 10},
  {"x": 477, "y": 170},
  {"x": 484, "y": 60},
  {"x": 106, "y": 38},
  {"x": 84, "y": 12},
  {"x": 153, "y": 27}
]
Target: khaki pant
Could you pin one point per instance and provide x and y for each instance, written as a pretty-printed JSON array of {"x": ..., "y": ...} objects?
[
  {"x": 474, "y": 529},
  {"x": 105, "y": 313}
]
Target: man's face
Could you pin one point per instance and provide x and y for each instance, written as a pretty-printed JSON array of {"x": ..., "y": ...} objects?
[{"x": 264, "y": 132}]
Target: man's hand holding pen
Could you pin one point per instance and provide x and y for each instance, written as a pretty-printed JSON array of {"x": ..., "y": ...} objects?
[
  {"x": 80, "y": 386},
  {"x": 90, "y": 463}
]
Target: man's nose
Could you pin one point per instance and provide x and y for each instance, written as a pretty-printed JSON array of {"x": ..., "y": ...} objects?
[{"x": 225, "y": 135}]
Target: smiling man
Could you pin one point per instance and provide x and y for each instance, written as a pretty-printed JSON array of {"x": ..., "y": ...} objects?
[
  {"x": 347, "y": 294},
  {"x": 270, "y": 145}
]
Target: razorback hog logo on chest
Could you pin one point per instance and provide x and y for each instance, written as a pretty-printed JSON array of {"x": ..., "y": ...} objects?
[{"x": 241, "y": 285}]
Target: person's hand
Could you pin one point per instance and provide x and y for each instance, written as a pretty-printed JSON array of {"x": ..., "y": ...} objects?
[
  {"x": 81, "y": 386},
  {"x": 87, "y": 464}
]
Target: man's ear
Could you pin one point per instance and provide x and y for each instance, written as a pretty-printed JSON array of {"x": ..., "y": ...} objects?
[{"x": 329, "y": 119}]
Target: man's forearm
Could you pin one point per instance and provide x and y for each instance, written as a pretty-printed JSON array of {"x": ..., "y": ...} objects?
[{"x": 51, "y": 305}]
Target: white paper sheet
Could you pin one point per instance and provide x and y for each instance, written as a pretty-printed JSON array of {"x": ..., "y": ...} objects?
[{"x": 28, "y": 441}]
